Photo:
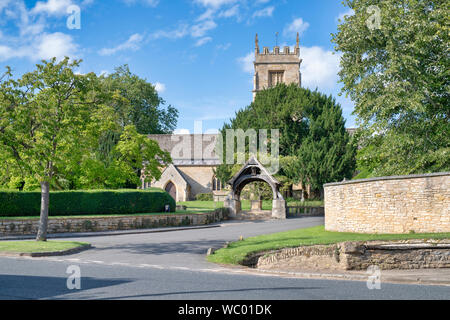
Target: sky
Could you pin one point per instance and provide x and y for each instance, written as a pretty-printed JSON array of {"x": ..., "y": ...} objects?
[{"x": 197, "y": 53}]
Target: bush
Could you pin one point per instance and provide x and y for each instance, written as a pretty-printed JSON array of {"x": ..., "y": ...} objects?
[
  {"x": 98, "y": 202},
  {"x": 204, "y": 197}
]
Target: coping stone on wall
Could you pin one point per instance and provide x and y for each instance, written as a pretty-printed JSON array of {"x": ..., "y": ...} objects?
[{"x": 411, "y": 176}]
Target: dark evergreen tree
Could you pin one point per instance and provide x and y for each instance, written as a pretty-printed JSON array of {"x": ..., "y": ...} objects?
[
  {"x": 312, "y": 134},
  {"x": 327, "y": 154}
]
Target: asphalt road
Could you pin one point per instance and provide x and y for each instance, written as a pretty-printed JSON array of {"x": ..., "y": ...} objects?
[{"x": 172, "y": 265}]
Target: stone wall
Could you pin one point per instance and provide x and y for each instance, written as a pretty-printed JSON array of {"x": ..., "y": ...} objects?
[
  {"x": 403, "y": 204},
  {"x": 406, "y": 254},
  {"x": 86, "y": 224}
]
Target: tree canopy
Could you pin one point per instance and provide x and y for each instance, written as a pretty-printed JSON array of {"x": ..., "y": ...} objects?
[
  {"x": 314, "y": 145},
  {"x": 397, "y": 74},
  {"x": 53, "y": 128},
  {"x": 140, "y": 104}
]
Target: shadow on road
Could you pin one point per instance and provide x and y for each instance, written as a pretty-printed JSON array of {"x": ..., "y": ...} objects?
[
  {"x": 160, "y": 248},
  {"x": 14, "y": 287},
  {"x": 211, "y": 293}
]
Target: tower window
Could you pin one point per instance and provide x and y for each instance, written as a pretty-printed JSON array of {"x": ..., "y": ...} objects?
[{"x": 275, "y": 78}]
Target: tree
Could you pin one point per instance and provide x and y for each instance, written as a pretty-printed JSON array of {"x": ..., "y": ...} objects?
[
  {"x": 314, "y": 145},
  {"x": 41, "y": 116},
  {"x": 140, "y": 104},
  {"x": 51, "y": 120},
  {"x": 396, "y": 73},
  {"x": 327, "y": 154}
]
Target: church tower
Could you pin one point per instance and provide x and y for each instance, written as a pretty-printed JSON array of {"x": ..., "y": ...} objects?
[{"x": 272, "y": 68}]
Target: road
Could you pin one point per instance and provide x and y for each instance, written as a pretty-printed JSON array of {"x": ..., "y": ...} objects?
[{"x": 172, "y": 265}]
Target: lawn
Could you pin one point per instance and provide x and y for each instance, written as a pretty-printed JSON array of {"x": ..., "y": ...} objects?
[
  {"x": 38, "y": 246},
  {"x": 266, "y": 205},
  {"x": 201, "y": 206},
  {"x": 237, "y": 251}
]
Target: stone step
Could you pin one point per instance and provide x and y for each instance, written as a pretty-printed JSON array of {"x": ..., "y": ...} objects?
[{"x": 263, "y": 215}]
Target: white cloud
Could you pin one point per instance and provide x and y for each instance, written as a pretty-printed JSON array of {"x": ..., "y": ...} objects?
[
  {"x": 160, "y": 87},
  {"x": 214, "y": 3},
  {"x": 247, "y": 63},
  {"x": 180, "y": 32},
  {"x": 298, "y": 25},
  {"x": 150, "y": 3},
  {"x": 45, "y": 46},
  {"x": 231, "y": 12},
  {"x": 203, "y": 41},
  {"x": 52, "y": 7},
  {"x": 133, "y": 43},
  {"x": 223, "y": 47},
  {"x": 319, "y": 68},
  {"x": 199, "y": 30},
  {"x": 266, "y": 12},
  {"x": 56, "y": 45},
  {"x": 207, "y": 15},
  {"x": 4, "y": 4},
  {"x": 31, "y": 40}
]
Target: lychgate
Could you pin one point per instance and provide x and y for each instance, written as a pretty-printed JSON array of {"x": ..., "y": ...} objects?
[{"x": 253, "y": 171}]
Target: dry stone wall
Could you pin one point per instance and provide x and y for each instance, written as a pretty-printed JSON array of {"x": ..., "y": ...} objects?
[
  {"x": 406, "y": 254},
  {"x": 404, "y": 204},
  {"x": 86, "y": 224}
]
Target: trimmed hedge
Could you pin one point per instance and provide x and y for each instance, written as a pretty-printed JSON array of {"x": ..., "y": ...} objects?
[
  {"x": 204, "y": 197},
  {"x": 95, "y": 202}
]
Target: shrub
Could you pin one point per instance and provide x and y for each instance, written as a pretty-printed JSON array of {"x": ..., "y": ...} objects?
[
  {"x": 98, "y": 202},
  {"x": 204, "y": 197}
]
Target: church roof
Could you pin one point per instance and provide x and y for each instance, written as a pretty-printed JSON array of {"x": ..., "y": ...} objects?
[
  {"x": 189, "y": 149},
  {"x": 194, "y": 149}
]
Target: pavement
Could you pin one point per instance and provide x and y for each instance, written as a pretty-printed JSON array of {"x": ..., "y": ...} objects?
[{"x": 129, "y": 260}]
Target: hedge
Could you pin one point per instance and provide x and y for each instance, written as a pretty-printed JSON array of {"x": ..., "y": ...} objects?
[
  {"x": 204, "y": 197},
  {"x": 95, "y": 202}
]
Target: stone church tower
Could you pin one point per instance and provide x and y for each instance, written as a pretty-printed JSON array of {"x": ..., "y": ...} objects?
[{"x": 272, "y": 68}]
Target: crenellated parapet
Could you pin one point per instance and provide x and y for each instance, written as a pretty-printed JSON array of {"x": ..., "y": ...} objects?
[{"x": 276, "y": 66}]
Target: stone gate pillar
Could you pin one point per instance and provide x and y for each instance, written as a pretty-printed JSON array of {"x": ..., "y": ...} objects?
[
  {"x": 233, "y": 205},
  {"x": 279, "y": 209}
]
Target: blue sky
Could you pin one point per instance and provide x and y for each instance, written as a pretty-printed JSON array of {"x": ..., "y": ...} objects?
[{"x": 198, "y": 53}]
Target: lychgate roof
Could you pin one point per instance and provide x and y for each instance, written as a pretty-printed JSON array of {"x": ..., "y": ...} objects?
[{"x": 253, "y": 163}]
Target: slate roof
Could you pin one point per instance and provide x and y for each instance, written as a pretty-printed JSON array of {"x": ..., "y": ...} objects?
[{"x": 189, "y": 149}]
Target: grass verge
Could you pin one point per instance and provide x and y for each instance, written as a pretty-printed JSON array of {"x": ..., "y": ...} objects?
[
  {"x": 38, "y": 246},
  {"x": 245, "y": 204},
  {"x": 237, "y": 251}
]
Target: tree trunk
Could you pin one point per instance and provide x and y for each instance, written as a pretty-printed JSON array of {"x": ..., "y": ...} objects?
[{"x": 43, "y": 222}]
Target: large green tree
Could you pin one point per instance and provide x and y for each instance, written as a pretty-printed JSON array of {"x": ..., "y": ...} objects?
[
  {"x": 140, "y": 104},
  {"x": 50, "y": 123},
  {"x": 314, "y": 145},
  {"x": 395, "y": 67}
]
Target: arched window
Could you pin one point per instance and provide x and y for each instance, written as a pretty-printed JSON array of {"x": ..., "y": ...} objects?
[{"x": 216, "y": 184}]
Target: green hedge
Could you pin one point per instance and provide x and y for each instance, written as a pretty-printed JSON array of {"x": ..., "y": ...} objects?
[
  {"x": 98, "y": 202},
  {"x": 204, "y": 197}
]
